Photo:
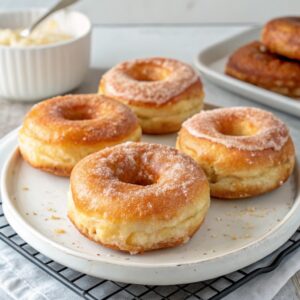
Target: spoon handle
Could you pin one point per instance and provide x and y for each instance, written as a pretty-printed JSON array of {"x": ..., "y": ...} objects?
[{"x": 59, "y": 5}]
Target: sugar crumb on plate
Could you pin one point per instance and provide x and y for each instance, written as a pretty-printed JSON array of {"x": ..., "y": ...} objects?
[
  {"x": 59, "y": 231},
  {"x": 54, "y": 217}
]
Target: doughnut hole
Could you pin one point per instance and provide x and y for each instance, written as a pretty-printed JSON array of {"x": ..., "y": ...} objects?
[
  {"x": 137, "y": 175},
  {"x": 79, "y": 113},
  {"x": 237, "y": 128},
  {"x": 142, "y": 179},
  {"x": 148, "y": 72}
]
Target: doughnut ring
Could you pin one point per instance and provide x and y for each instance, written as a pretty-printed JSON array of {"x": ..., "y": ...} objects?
[
  {"x": 282, "y": 36},
  {"x": 244, "y": 151},
  {"x": 59, "y": 132},
  {"x": 137, "y": 197},
  {"x": 162, "y": 92}
]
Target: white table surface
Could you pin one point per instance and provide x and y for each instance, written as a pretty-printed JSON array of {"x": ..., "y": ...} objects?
[{"x": 112, "y": 44}]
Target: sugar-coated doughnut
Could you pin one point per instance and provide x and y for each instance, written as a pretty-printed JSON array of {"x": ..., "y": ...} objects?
[
  {"x": 244, "y": 151},
  {"x": 162, "y": 92},
  {"x": 253, "y": 63},
  {"x": 137, "y": 197},
  {"x": 282, "y": 36},
  {"x": 59, "y": 132}
]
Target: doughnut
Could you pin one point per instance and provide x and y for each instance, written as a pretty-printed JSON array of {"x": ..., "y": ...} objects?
[
  {"x": 162, "y": 92},
  {"x": 254, "y": 64},
  {"x": 282, "y": 36},
  {"x": 137, "y": 197},
  {"x": 244, "y": 151},
  {"x": 59, "y": 132}
]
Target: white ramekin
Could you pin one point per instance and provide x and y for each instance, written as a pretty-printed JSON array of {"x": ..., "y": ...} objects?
[{"x": 38, "y": 72}]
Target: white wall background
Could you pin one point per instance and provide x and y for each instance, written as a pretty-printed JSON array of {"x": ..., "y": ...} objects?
[{"x": 173, "y": 11}]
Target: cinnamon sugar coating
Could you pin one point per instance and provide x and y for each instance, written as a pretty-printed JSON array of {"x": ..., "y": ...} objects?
[
  {"x": 151, "y": 80},
  {"x": 136, "y": 181},
  {"x": 266, "y": 131},
  {"x": 81, "y": 119}
]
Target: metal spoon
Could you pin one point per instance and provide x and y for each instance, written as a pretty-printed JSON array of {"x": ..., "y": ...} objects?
[{"x": 60, "y": 5}]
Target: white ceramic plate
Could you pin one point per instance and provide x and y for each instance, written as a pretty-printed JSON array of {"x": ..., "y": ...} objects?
[
  {"x": 234, "y": 234},
  {"x": 211, "y": 62}
]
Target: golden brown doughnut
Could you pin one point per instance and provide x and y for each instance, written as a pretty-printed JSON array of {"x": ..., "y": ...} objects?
[
  {"x": 254, "y": 64},
  {"x": 137, "y": 197},
  {"x": 162, "y": 92},
  {"x": 244, "y": 151},
  {"x": 59, "y": 132},
  {"x": 282, "y": 36}
]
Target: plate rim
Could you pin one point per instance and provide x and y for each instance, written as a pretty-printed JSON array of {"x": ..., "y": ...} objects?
[{"x": 8, "y": 204}]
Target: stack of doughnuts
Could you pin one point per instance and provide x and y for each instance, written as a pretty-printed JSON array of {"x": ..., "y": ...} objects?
[
  {"x": 274, "y": 62},
  {"x": 134, "y": 196}
]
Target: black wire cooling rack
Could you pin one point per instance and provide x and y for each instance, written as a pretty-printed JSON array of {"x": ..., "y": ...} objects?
[{"x": 95, "y": 288}]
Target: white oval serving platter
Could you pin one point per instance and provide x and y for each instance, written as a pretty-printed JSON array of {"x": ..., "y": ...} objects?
[{"x": 234, "y": 234}]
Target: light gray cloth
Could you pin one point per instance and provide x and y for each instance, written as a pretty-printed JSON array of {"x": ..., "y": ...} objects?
[
  {"x": 21, "y": 280},
  {"x": 266, "y": 286}
]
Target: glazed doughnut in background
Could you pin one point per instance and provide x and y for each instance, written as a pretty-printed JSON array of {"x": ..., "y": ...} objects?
[
  {"x": 244, "y": 151},
  {"x": 137, "y": 197},
  {"x": 254, "y": 64},
  {"x": 282, "y": 36},
  {"x": 162, "y": 92},
  {"x": 59, "y": 132}
]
